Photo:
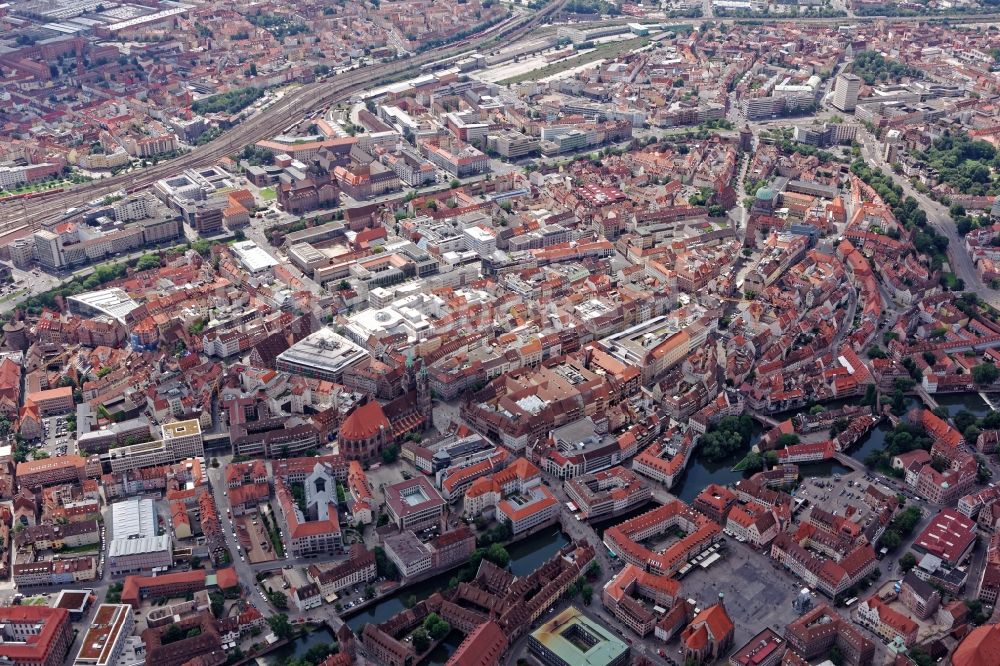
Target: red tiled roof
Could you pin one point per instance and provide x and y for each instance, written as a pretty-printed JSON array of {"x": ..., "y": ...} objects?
[
  {"x": 980, "y": 647},
  {"x": 35, "y": 648},
  {"x": 364, "y": 422},
  {"x": 227, "y": 578}
]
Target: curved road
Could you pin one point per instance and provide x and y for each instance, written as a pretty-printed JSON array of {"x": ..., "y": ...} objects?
[{"x": 938, "y": 217}]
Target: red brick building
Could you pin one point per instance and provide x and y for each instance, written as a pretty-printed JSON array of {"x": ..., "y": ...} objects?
[
  {"x": 715, "y": 501},
  {"x": 137, "y": 588},
  {"x": 484, "y": 646},
  {"x": 815, "y": 633},
  {"x": 34, "y": 635}
]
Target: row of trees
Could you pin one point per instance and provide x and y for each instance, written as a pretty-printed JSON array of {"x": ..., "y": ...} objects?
[
  {"x": 900, "y": 527},
  {"x": 102, "y": 274},
  {"x": 907, "y": 211},
  {"x": 228, "y": 102}
]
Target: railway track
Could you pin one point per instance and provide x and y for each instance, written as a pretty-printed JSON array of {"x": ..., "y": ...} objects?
[{"x": 21, "y": 217}]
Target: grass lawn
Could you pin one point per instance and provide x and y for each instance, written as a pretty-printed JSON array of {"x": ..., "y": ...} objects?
[
  {"x": 35, "y": 187},
  {"x": 608, "y": 50},
  {"x": 268, "y": 193}
]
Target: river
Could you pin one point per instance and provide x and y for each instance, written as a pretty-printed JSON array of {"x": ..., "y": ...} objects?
[
  {"x": 952, "y": 402},
  {"x": 956, "y": 402},
  {"x": 298, "y": 648}
]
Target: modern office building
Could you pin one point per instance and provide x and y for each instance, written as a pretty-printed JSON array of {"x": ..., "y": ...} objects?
[
  {"x": 105, "y": 639},
  {"x": 413, "y": 504},
  {"x": 845, "y": 92},
  {"x": 572, "y": 638},
  {"x": 321, "y": 355},
  {"x": 178, "y": 441}
]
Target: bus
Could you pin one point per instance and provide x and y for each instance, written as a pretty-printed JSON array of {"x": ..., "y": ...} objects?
[{"x": 850, "y": 602}]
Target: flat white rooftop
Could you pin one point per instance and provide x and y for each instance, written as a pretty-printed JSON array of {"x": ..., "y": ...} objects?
[
  {"x": 253, "y": 257},
  {"x": 112, "y": 302}
]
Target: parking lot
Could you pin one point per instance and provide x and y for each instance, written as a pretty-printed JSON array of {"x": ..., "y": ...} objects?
[
  {"x": 253, "y": 538},
  {"x": 57, "y": 440},
  {"x": 355, "y": 595},
  {"x": 837, "y": 495}
]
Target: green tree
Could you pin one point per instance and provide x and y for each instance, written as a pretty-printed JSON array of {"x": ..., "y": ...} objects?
[
  {"x": 420, "y": 640},
  {"x": 587, "y": 592},
  {"x": 787, "y": 439},
  {"x": 383, "y": 565},
  {"x": 172, "y": 634},
  {"x": 498, "y": 555},
  {"x": 278, "y": 599},
  {"x": 975, "y": 607},
  {"x": 218, "y": 603},
  {"x": 319, "y": 652},
  {"x": 280, "y": 625},
  {"x": 390, "y": 454},
  {"x": 890, "y": 540},
  {"x": 921, "y": 658},
  {"x": 594, "y": 569},
  {"x": 985, "y": 373},
  {"x": 147, "y": 262},
  {"x": 436, "y": 627},
  {"x": 907, "y": 562},
  {"x": 753, "y": 462},
  {"x": 728, "y": 437}
]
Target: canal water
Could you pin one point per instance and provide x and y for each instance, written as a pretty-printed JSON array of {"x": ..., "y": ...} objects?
[
  {"x": 956, "y": 402},
  {"x": 701, "y": 472},
  {"x": 298, "y": 648},
  {"x": 953, "y": 403},
  {"x": 525, "y": 556}
]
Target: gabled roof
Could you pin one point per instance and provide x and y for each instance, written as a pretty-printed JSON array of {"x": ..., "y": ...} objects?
[{"x": 710, "y": 625}]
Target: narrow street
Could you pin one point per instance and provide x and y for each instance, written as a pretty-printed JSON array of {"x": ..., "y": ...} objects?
[{"x": 244, "y": 570}]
